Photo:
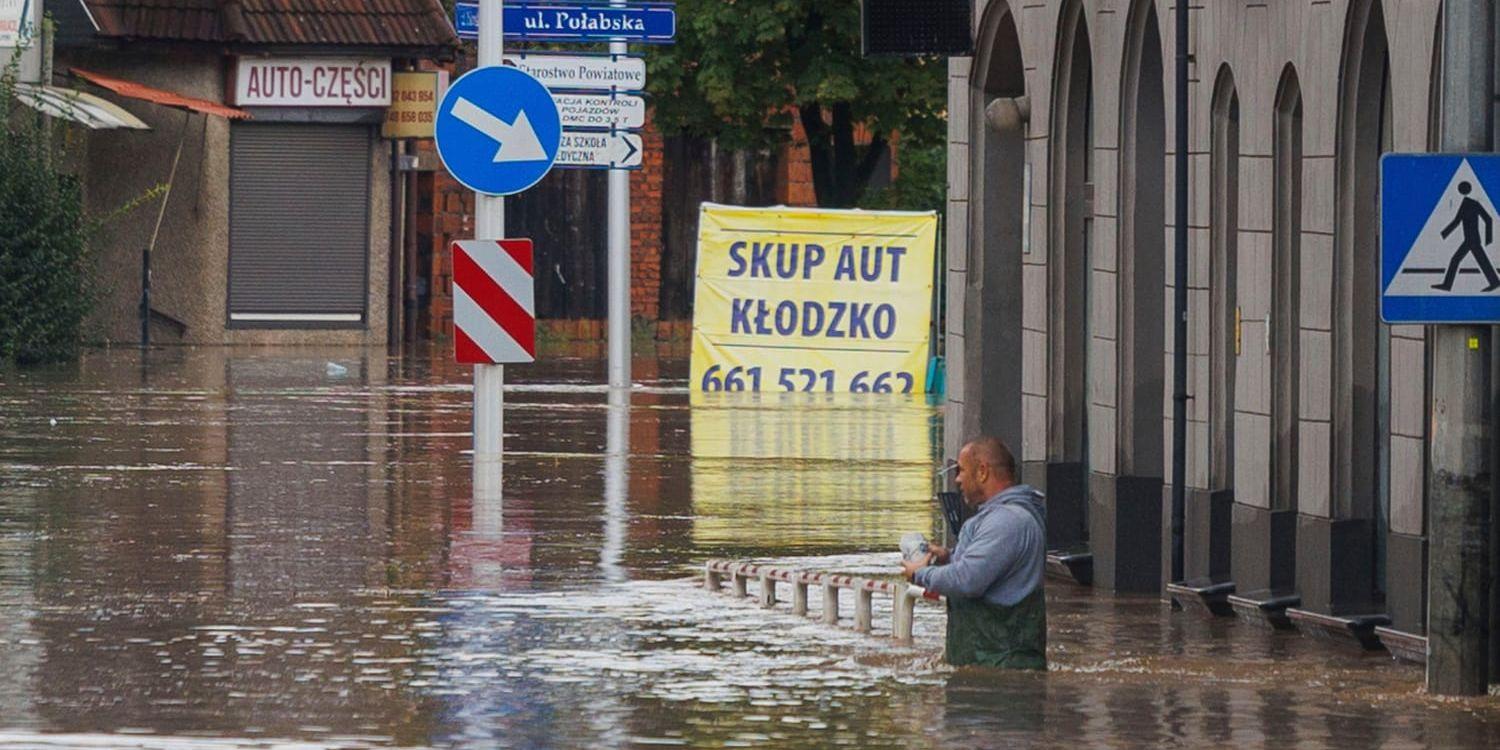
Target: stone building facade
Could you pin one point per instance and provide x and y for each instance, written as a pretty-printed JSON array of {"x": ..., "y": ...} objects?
[{"x": 1306, "y": 459}]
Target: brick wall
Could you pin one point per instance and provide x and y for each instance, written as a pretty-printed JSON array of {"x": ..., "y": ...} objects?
[
  {"x": 453, "y": 219},
  {"x": 645, "y": 227},
  {"x": 794, "y": 186}
]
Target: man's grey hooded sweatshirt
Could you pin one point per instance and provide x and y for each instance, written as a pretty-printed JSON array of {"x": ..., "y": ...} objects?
[{"x": 1001, "y": 551}]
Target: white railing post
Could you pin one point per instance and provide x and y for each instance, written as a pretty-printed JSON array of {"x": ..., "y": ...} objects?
[
  {"x": 830, "y": 603},
  {"x": 903, "y": 611},
  {"x": 903, "y": 596},
  {"x": 862, "y": 606}
]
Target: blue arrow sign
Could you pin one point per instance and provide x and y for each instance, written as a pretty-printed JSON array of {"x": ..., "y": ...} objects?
[
  {"x": 576, "y": 21},
  {"x": 1438, "y": 225},
  {"x": 497, "y": 130}
]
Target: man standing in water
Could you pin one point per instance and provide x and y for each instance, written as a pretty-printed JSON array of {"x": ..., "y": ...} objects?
[{"x": 997, "y": 613}]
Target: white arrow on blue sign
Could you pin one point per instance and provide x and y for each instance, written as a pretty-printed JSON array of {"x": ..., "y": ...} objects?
[
  {"x": 498, "y": 130},
  {"x": 642, "y": 23},
  {"x": 600, "y": 151},
  {"x": 1438, "y": 223}
]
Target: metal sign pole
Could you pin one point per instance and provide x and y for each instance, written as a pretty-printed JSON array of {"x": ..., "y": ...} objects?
[
  {"x": 1458, "y": 487},
  {"x": 489, "y": 224},
  {"x": 619, "y": 268}
]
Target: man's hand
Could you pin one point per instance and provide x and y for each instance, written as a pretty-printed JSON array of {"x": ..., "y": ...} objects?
[
  {"x": 940, "y": 554},
  {"x": 909, "y": 568}
]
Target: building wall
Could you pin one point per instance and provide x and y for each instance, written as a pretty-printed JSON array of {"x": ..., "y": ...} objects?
[
  {"x": 645, "y": 227},
  {"x": 190, "y": 261},
  {"x": 1256, "y": 41}
]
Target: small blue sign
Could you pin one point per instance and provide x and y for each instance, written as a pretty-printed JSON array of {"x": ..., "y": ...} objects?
[
  {"x": 498, "y": 130},
  {"x": 1438, "y": 224},
  {"x": 576, "y": 21},
  {"x": 466, "y": 20}
]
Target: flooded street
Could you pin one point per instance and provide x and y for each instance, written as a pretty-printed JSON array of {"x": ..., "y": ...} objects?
[{"x": 234, "y": 547}]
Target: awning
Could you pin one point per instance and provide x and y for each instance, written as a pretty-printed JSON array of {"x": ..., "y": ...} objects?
[
  {"x": 158, "y": 96},
  {"x": 78, "y": 106}
]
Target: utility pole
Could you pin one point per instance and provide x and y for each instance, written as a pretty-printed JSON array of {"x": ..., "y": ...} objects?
[
  {"x": 489, "y": 224},
  {"x": 1458, "y": 498},
  {"x": 619, "y": 268}
]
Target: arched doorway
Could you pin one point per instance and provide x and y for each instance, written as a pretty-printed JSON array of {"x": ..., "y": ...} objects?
[
  {"x": 1286, "y": 263},
  {"x": 1340, "y": 542},
  {"x": 1207, "y": 553},
  {"x": 1125, "y": 522},
  {"x": 1142, "y": 253},
  {"x": 1406, "y": 544},
  {"x": 1224, "y": 227},
  {"x": 1285, "y": 330},
  {"x": 993, "y": 312},
  {"x": 1265, "y": 516},
  {"x": 1070, "y": 214}
]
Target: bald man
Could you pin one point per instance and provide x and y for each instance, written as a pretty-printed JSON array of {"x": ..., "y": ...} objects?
[{"x": 997, "y": 613}]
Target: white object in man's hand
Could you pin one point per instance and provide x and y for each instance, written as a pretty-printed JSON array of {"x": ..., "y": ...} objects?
[{"x": 909, "y": 568}]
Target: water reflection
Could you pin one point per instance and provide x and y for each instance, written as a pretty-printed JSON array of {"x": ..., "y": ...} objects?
[
  {"x": 616, "y": 484},
  {"x": 810, "y": 472},
  {"x": 246, "y": 546},
  {"x": 20, "y": 647}
]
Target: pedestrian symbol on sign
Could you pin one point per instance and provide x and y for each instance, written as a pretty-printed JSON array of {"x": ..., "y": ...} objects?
[
  {"x": 1470, "y": 213},
  {"x": 1437, "y": 235}
]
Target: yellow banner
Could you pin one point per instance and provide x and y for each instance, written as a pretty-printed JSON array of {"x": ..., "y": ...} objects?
[{"x": 794, "y": 299}]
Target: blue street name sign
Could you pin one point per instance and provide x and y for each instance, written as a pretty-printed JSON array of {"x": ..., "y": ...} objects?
[
  {"x": 577, "y": 21},
  {"x": 1438, "y": 224},
  {"x": 498, "y": 130}
]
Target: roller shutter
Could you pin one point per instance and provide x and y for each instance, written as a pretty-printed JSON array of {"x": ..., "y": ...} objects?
[{"x": 298, "y": 225}]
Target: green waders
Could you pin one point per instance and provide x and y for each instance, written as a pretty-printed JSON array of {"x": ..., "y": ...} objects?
[{"x": 990, "y": 635}]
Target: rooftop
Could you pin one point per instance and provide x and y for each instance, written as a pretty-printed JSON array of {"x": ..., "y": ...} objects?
[{"x": 355, "y": 23}]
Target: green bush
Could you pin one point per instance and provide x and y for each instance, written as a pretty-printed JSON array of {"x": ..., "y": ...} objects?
[{"x": 47, "y": 281}]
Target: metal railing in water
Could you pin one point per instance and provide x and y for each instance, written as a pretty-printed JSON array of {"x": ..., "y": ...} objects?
[{"x": 904, "y": 596}]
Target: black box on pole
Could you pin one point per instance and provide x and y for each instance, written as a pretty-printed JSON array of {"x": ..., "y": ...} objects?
[{"x": 918, "y": 27}]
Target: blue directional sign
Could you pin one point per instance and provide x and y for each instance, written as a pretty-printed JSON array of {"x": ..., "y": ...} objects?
[
  {"x": 497, "y": 130},
  {"x": 1438, "y": 226},
  {"x": 576, "y": 21}
]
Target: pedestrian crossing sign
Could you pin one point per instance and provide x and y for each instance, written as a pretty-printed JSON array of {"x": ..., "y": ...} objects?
[{"x": 1437, "y": 238}]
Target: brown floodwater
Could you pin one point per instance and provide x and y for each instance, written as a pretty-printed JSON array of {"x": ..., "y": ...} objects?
[{"x": 258, "y": 548}]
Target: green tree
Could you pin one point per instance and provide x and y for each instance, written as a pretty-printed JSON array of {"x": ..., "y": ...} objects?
[
  {"x": 48, "y": 281},
  {"x": 741, "y": 69},
  {"x": 46, "y": 288}
]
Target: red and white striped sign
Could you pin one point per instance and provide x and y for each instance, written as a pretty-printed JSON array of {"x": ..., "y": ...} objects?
[{"x": 494, "y": 316}]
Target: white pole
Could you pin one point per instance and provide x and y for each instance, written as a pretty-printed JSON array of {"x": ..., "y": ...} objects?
[
  {"x": 489, "y": 224},
  {"x": 619, "y": 268},
  {"x": 616, "y": 484}
]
